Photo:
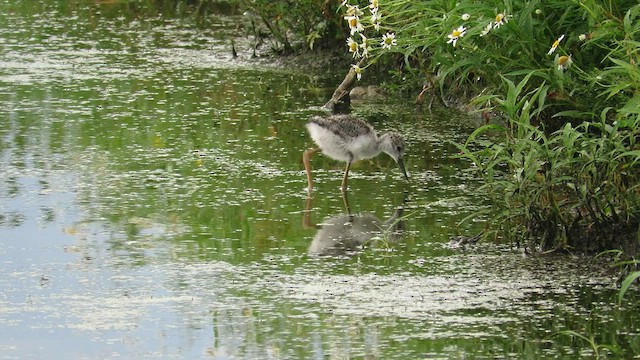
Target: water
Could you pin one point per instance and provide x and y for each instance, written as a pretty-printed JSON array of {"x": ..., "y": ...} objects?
[{"x": 152, "y": 205}]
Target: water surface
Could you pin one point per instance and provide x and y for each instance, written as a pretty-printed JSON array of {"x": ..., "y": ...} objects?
[{"x": 152, "y": 204}]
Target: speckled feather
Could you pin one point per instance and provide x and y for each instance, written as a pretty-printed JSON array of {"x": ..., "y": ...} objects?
[{"x": 345, "y": 126}]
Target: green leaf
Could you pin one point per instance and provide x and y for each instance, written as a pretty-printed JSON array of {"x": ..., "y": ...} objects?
[
  {"x": 603, "y": 114},
  {"x": 632, "y": 153},
  {"x": 632, "y": 106},
  {"x": 483, "y": 129},
  {"x": 626, "y": 283},
  {"x": 574, "y": 114},
  {"x": 614, "y": 90}
]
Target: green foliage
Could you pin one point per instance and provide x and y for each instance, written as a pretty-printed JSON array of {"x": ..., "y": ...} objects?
[
  {"x": 626, "y": 283},
  {"x": 312, "y": 23},
  {"x": 560, "y": 160},
  {"x": 561, "y": 167},
  {"x": 574, "y": 188}
]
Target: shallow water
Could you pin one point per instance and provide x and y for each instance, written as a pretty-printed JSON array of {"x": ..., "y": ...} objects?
[{"x": 152, "y": 204}]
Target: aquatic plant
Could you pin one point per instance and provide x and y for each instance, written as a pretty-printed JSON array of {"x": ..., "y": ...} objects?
[{"x": 599, "y": 350}]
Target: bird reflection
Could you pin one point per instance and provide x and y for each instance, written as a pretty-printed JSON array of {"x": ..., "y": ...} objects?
[{"x": 346, "y": 233}]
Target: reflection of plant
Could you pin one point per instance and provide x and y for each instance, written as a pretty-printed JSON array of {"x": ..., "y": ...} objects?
[
  {"x": 631, "y": 276},
  {"x": 627, "y": 268},
  {"x": 626, "y": 283},
  {"x": 597, "y": 348}
]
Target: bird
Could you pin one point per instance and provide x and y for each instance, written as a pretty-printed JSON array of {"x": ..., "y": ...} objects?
[{"x": 349, "y": 139}]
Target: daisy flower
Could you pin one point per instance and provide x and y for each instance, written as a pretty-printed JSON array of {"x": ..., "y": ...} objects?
[
  {"x": 501, "y": 19},
  {"x": 364, "y": 46},
  {"x": 456, "y": 34},
  {"x": 375, "y": 20},
  {"x": 353, "y": 46},
  {"x": 486, "y": 30},
  {"x": 388, "y": 40},
  {"x": 374, "y": 5},
  {"x": 354, "y": 10},
  {"x": 555, "y": 44},
  {"x": 354, "y": 24},
  {"x": 358, "y": 71},
  {"x": 584, "y": 37},
  {"x": 564, "y": 62}
]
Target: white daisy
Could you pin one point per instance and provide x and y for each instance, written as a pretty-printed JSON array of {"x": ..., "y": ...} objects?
[
  {"x": 456, "y": 34},
  {"x": 501, "y": 19},
  {"x": 358, "y": 71},
  {"x": 354, "y": 24},
  {"x": 564, "y": 62},
  {"x": 353, "y": 47},
  {"x": 388, "y": 40},
  {"x": 486, "y": 30},
  {"x": 555, "y": 44},
  {"x": 374, "y": 5},
  {"x": 365, "y": 47}
]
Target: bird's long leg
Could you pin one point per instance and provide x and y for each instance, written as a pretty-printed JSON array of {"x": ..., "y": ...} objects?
[
  {"x": 345, "y": 200},
  {"x": 346, "y": 175},
  {"x": 306, "y": 157}
]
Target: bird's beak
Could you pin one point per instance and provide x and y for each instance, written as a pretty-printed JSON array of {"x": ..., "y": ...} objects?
[{"x": 401, "y": 166}]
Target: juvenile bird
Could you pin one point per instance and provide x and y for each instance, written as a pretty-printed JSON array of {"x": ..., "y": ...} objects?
[{"x": 347, "y": 138}]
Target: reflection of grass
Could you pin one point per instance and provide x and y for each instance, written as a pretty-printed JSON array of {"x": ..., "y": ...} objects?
[
  {"x": 390, "y": 230},
  {"x": 624, "y": 286},
  {"x": 626, "y": 267},
  {"x": 590, "y": 339}
]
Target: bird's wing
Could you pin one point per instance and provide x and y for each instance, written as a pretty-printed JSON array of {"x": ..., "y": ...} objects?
[{"x": 345, "y": 126}]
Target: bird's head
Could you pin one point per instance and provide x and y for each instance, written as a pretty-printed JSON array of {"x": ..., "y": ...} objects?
[{"x": 392, "y": 143}]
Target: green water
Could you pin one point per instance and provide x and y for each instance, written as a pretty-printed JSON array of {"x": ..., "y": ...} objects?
[{"x": 153, "y": 204}]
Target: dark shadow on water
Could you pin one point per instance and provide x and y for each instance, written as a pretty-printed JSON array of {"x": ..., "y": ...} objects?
[{"x": 346, "y": 233}]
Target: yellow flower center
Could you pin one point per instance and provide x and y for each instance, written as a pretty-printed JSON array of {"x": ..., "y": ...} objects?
[
  {"x": 555, "y": 44},
  {"x": 455, "y": 33},
  {"x": 563, "y": 60},
  {"x": 353, "y": 47},
  {"x": 499, "y": 17},
  {"x": 353, "y": 22}
]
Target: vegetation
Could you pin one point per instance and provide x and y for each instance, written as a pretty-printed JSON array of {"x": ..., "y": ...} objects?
[{"x": 557, "y": 83}]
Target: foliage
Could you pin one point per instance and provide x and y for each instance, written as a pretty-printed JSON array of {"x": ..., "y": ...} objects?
[
  {"x": 560, "y": 163},
  {"x": 293, "y": 25},
  {"x": 467, "y": 47},
  {"x": 561, "y": 167},
  {"x": 312, "y": 21},
  {"x": 574, "y": 188}
]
